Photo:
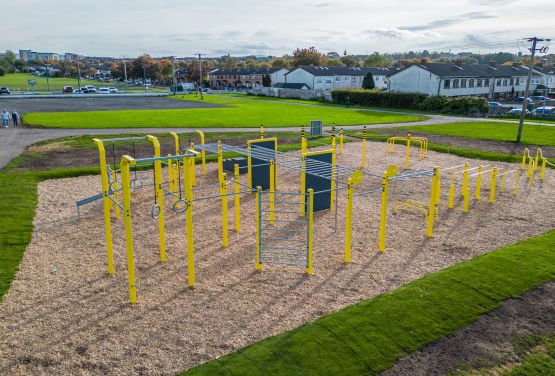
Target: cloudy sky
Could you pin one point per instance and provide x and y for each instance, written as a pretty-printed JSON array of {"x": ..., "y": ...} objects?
[{"x": 242, "y": 27}]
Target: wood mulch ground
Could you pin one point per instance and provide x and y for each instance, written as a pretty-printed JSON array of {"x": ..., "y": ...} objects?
[{"x": 64, "y": 315}]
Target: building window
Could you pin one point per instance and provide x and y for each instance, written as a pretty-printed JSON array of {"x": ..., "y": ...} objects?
[
  {"x": 353, "y": 78},
  {"x": 446, "y": 84},
  {"x": 337, "y": 78},
  {"x": 463, "y": 82},
  {"x": 511, "y": 81},
  {"x": 486, "y": 82},
  {"x": 471, "y": 82},
  {"x": 498, "y": 82},
  {"x": 455, "y": 83},
  {"x": 479, "y": 83},
  {"x": 505, "y": 82}
]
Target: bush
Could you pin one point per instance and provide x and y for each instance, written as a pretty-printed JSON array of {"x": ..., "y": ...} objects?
[{"x": 464, "y": 105}]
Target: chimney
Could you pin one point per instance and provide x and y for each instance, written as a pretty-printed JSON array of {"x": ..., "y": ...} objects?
[
  {"x": 493, "y": 64},
  {"x": 458, "y": 63},
  {"x": 516, "y": 65}
]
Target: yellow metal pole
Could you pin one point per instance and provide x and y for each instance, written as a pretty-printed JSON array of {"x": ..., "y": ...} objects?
[
  {"x": 526, "y": 152},
  {"x": 176, "y": 142},
  {"x": 237, "y": 198},
  {"x": 310, "y": 230},
  {"x": 189, "y": 223},
  {"x": 515, "y": 189},
  {"x": 478, "y": 183},
  {"x": 464, "y": 179},
  {"x": 363, "y": 163},
  {"x": 272, "y": 193},
  {"x": 158, "y": 181},
  {"x": 433, "y": 201},
  {"x": 538, "y": 151},
  {"x": 303, "y": 185},
  {"x": 258, "y": 225},
  {"x": 116, "y": 198},
  {"x": 223, "y": 195},
  {"x": 193, "y": 171},
  {"x": 106, "y": 203},
  {"x": 333, "y": 192},
  {"x": 341, "y": 141},
  {"x": 451, "y": 200},
  {"x": 438, "y": 187},
  {"x": 407, "y": 154},
  {"x": 466, "y": 198},
  {"x": 503, "y": 181},
  {"x": 493, "y": 186},
  {"x": 532, "y": 174},
  {"x": 530, "y": 167},
  {"x": 202, "y": 152},
  {"x": 261, "y": 131},
  {"x": 348, "y": 220},
  {"x": 333, "y": 143},
  {"x": 170, "y": 173},
  {"x": 542, "y": 171},
  {"x": 383, "y": 214},
  {"x": 220, "y": 162},
  {"x": 126, "y": 161}
]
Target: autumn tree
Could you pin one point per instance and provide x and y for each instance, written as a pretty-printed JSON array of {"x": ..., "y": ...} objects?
[
  {"x": 280, "y": 63},
  {"x": 349, "y": 61},
  {"x": 378, "y": 60},
  {"x": 307, "y": 56}
]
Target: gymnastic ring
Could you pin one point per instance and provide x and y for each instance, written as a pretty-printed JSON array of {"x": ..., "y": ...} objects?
[
  {"x": 155, "y": 211},
  {"x": 180, "y": 205},
  {"x": 136, "y": 183},
  {"x": 115, "y": 186}
]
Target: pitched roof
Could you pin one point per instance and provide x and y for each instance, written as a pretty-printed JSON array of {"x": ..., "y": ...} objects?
[
  {"x": 343, "y": 71},
  {"x": 291, "y": 85},
  {"x": 505, "y": 70},
  {"x": 243, "y": 71},
  {"x": 472, "y": 70}
]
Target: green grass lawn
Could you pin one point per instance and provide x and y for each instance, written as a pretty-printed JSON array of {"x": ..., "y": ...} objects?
[
  {"x": 18, "y": 82},
  {"x": 531, "y": 133},
  {"x": 369, "y": 336},
  {"x": 238, "y": 113}
]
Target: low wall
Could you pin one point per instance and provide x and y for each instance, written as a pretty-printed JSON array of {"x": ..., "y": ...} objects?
[{"x": 292, "y": 93}]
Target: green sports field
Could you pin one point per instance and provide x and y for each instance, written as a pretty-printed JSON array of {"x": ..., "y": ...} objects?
[{"x": 237, "y": 113}]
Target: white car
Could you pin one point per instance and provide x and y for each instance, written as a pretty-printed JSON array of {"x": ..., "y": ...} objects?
[
  {"x": 89, "y": 87},
  {"x": 113, "y": 90},
  {"x": 104, "y": 90},
  {"x": 91, "y": 90}
]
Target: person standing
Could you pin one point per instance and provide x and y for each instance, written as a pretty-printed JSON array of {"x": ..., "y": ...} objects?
[
  {"x": 5, "y": 118},
  {"x": 15, "y": 118}
]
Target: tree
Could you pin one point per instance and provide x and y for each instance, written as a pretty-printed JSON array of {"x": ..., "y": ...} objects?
[
  {"x": 264, "y": 64},
  {"x": 368, "y": 81},
  {"x": 333, "y": 63},
  {"x": 280, "y": 63},
  {"x": 2, "y": 71},
  {"x": 193, "y": 71},
  {"x": 349, "y": 61},
  {"x": 266, "y": 80},
  {"x": 306, "y": 56},
  {"x": 378, "y": 60}
]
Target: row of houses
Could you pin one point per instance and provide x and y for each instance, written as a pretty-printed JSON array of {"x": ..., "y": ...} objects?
[{"x": 451, "y": 79}]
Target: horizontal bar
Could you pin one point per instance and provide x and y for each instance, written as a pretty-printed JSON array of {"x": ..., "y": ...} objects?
[
  {"x": 282, "y": 263},
  {"x": 124, "y": 139},
  {"x": 287, "y": 239},
  {"x": 173, "y": 157},
  {"x": 282, "y": 211},
  {"x": 282, "y": 220},
  {"x": 273, "y": 228}
]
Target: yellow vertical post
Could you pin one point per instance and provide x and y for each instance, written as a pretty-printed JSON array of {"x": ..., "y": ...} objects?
[
  {"x": 189, "y": 223},
  {"x": 158, "y": 181},
  {"x": 193, "y": 171},
  {"x": 310, "y": 230},
  {"x": 503, "y": 181},
  {"x": 170, "y": 173},
  {"x": 303, "y": 185},
  {"x": 333, "y": 143},
  {"x": 249, "y": 166},
  {"x": 433, "y": 201},
  {"x": 532, "y": 174},
  {"x": 464, "y": 179},
  {"x": 524, "y": 159},
  {"x": 261, "y": 131},
  {"x": 272, "y": 194},
  {"x": 116, "y": 197},
  {"x": 223, "y": 195},
  {"x": 515, "y": 189},
  {"x": 237, "y": 198},
  {"x": 466, "y": 198},
  {"x": 363, "y": 163},
  {"x": 341, "y": 141},
  {"x": 538, "y": 151},
  {"x": 407, "y": 153},
  {"x": 493, "y": 186},
  {"x": 438, "y": 187},
  {"x": 106, "y": 203},
  {"x": 333, "y": 192},
  {"x": 530, "y": 167},
  {"x": 258, "y": 226},
  {"x": 348, "y": 220},
  {"x": 176, "y": 142},
  {"x": 451, "y": 200},
  {"x": 478, "y": 183},
  {"x": 220, "y": 162},
  {"x": 383, "y": 211},
  {"x": 126, "y": 182},
  {"x": 202, "y": 152},
  {"x": 542, "y": 171}
]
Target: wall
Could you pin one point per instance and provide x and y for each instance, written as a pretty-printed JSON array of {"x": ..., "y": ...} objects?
[
  {"x": 292, "y": 93},
  {"x": 414, "y": 80}
]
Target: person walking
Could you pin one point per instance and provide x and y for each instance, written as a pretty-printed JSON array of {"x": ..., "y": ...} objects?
[
  {"x": 5, "y": 118},
  {"x": 15, "y": 118}
]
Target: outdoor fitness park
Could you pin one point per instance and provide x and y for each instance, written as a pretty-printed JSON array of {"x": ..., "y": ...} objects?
[{"x": 281, "y": 197}]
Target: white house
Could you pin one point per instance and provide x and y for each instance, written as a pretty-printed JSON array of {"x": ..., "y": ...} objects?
[
  {"x": 329, "y": 78},
  {"x": 458, "y": 79}
]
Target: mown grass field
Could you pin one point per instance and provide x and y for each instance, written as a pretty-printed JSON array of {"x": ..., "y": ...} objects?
[
  {"x": 368, "y": 337},
  {"x": 237, "y": 113},
  {"x": 531, "y": 133}
]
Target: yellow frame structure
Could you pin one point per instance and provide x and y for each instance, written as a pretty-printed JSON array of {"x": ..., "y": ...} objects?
[{"x": 249, "y": 160}]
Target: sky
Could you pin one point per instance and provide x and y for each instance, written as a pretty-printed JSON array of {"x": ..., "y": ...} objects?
[{"x": 246, "y": 27}]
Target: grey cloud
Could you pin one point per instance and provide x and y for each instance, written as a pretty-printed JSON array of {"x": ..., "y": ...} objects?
[
  {"x": 449, "y": 21},
  {"x": 386, "y": 33},
  {"x": 318, "y": 5}
]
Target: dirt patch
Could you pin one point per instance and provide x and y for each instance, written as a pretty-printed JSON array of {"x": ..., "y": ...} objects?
[
  {"x": 50, "y": 147},
  {"x": 63, "y": 315},
  {"x": 473, "y": 143},
  {"x": 490, "y": 340}
]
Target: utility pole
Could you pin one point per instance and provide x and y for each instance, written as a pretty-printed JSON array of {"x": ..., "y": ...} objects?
[
  {"x": 533, "y": 50},
  {"x": 200, "y": 74},
  {"x": 125, "y": 73},
  {"x": 78, "y": 73},
  {"x": 173, "y": 75},
  {"x": 144, "y": 77}
]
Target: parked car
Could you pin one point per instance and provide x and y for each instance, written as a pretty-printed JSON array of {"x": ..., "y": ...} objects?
[
  {"x": 67, "y": 89},
  {"x": 545, "y": 110},
  {"x": 520, "y": 99},
  {"x": 4, "y": 90},
  {"x": 91, "y": 90},
  {"x": 495, "y": 104},
  {"x": 78, "y": 91},
  {"x": 103, "y": 90},
  {"x": 541, "y": 98},
  {"x": 88, "y": 87},
  {"x": 113, "y": 90},
  {"x": 517, "y": 112}
]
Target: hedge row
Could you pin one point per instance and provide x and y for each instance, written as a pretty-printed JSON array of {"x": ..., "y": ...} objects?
[{"x": 416, "y": 101}]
